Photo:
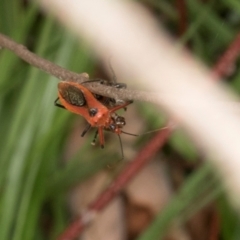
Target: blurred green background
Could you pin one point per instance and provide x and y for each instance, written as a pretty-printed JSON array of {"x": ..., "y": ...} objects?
[{"x": 35, "y": 179}]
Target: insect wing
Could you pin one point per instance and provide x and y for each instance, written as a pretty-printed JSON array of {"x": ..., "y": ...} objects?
[{"x": 72, "y": 98}]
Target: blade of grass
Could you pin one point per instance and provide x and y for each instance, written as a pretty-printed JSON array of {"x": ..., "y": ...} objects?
[{"x": 17, "y": 158}]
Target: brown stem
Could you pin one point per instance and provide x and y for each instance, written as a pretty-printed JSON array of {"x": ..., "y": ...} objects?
[
  {"x": 182, "y": 13},
  {"x": 39, "y": 62},
  {"x": 67, "y": 75},
  {"x": 214, "y": 228},
  {"x": 221, "y": 68}
]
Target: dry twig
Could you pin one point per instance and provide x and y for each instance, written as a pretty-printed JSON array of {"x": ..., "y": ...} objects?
[{"x": 64, "y": 74}]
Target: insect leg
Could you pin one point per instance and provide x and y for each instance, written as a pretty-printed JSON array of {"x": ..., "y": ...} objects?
[
  {"x": 101, "y": 137},
  {"x": 94, "y": 139},
  {"x": 94, "y": 80},
  {"x": 121, "y": 106},
  {"x": 114, "y": 77},
  {"x": 57, "y": 104}
]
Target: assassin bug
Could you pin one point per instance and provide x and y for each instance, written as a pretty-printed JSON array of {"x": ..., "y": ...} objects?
[{"x": 78, "y": 99}]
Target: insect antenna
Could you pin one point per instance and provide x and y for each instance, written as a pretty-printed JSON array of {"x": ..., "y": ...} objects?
[
  {"x": 155, "y": 130},
  {"x": 114, "y": 77},
  {"x": 131, "y": 134},
  {"x": 151, "y": 131}
]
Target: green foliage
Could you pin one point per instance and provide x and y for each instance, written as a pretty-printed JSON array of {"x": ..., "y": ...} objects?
[{"x": 32, "y": 130}]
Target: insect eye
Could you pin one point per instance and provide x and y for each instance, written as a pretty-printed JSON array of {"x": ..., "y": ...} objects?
[
  {"x": 73, "y": 95},
  {"x": 93, "y": 111}
]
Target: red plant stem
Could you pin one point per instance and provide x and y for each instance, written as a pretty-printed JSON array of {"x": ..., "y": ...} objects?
[
  {"x": 214, "y": 229},
  {"x": 143, "y": 157},
  {"x": 226, "y": 62},
  {"x": 182, "y": 16},
  {"x": 220, "y": 69}
]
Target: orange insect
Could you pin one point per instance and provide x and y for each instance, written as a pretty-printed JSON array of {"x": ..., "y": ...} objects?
[{"x": 78, "y": 99}]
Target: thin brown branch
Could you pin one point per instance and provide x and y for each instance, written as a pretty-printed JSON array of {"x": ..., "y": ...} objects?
[
  {"x": 220, "y": 69},
  {"x": 64, "y": 74},
  {"x": 39, "y": 62},
  {"x": 143, "y": 157},
  {"x": 182, "y": 15},
  {"x": 214, "y": 228}
]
